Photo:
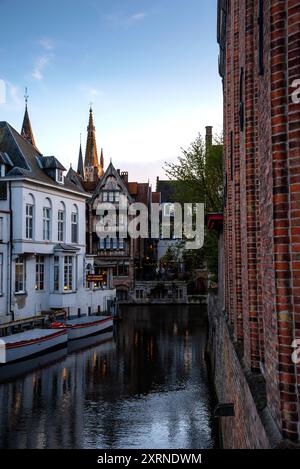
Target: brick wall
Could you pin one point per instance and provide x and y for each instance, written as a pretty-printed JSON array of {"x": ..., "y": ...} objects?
[{"x": 262, "y": 207}]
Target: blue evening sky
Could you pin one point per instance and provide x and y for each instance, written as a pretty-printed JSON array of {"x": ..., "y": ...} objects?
[{"x": 148, "y": 66}]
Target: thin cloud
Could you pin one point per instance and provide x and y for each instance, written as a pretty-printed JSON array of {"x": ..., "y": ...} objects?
[
  {"x": 46, "y": 43},
  {"x": 41, "y": 63},
  {"x": 121, "y": 20}
]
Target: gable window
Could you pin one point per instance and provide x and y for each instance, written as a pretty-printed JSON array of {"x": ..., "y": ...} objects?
[
  {"x": 29, "y": 221},
  {"x": 74, "y": 227},
  {"x": 59, "y": 176},
  {"x": 56, "y": 274},
  {"x": 68, "y": 273},
  {"x": 61, "y": 225},
  {"x": 46, "y": 223},
  {"x": 104, "y": 197},
  {"x": 20, "y": 275},
  {"x": 40, "y": 273}
]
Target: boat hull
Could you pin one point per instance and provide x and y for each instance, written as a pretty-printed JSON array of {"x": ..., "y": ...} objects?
[
  {"x": 78, "y": 331},
  {"x": 21, "y": 349}
]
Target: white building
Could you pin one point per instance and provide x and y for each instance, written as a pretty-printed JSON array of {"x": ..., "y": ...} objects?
[{"x": 42, "y": 235}]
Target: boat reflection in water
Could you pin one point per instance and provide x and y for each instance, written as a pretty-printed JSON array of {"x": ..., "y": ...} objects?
[{"x": 145, "y": 387}]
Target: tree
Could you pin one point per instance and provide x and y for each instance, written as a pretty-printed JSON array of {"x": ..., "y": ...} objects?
[
  {"x": 199, "y": 174},
  {"x": 199, "y": 178}
]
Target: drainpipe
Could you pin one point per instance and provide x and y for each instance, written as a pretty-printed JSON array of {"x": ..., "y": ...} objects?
[{"x": 9, "y": 293}]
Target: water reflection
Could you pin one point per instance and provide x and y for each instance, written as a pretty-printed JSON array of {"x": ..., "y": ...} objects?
[{"x": 144, "y": 388}]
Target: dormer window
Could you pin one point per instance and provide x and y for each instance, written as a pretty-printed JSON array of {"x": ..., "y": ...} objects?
[{"x": 59, "y": 176}]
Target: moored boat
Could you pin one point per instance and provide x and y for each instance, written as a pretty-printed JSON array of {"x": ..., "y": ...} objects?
[
  {"x": 24, "y": 344},
  {"x": 84, "y": 326}
]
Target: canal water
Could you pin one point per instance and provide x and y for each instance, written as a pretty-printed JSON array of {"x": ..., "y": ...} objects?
[{"x": 143, "y": 386}]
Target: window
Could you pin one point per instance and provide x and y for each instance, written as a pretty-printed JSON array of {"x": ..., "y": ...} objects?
[
  {"x": 88, "y": 271},
  {"x": 46, "y": 223},
  {"x": 1, "y": 274},
  {"x": 3, "y": 190},
  {"x": 29, "y": 221},
  {"x": 56, "y": 273},
  {"x": 104, "y": 197},
  {"x": 121, "y": 243},
  {"x": 74, "y": 227},
  {"x": 1, "y": 229},
  {"x": 40, "y": 273},
  {"x": 68, "y": 273},
  {"x": 19, "y": 275},
  {"x": 111, "y": 196},
  {"x": 59, "y": 176},
  {"x": 242, "y": 110},
  {"x": 123, "y": 270},
  {"x": 3, "y": 170},
  {"x": 61, "y": 225},
  {"x": 261, "y": 38},
  {"x": 139, "y": 294},
  {"x": 231, "y": 155}
]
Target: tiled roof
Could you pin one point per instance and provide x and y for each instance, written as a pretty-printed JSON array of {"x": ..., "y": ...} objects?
[{"x": 26, "y": 159}]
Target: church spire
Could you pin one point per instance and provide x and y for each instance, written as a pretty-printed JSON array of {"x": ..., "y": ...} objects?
[
  {"x": 26, "y": 131},
  {"x": 80, "y": 170},
  {"x": 91, "y": 155},
  {"x": 102, "y": 159}
]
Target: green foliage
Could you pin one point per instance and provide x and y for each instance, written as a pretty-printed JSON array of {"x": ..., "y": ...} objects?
[
  {"x": 199, "y": 174},
  {"x": 198, "y": 177}
]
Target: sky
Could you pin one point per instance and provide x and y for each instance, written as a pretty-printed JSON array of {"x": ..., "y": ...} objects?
[{"x": 149, "y": 68}]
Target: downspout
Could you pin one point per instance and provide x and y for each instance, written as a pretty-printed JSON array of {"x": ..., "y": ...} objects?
[{"x": 10, "y": 255}]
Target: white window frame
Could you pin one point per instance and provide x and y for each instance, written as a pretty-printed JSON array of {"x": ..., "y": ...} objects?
[
  {"x": 40, "y": 273},
  {"x": 29, "y": 221},
  {"x": 20, "y": 261},
  {"x": 69, "y": 267},
  {"x": 56, "y": 269},
  {"x": 74, "y": 225},
  {"x": 46, "y": 223},
  {"x": 61, "y": 225},
  {"x": 60, "y": 176}
]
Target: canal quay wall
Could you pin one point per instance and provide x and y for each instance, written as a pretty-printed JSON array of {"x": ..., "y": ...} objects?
[{"x": 252, "y": 426}]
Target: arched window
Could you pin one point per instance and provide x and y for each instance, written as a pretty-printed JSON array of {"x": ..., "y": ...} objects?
[
  {"x": 29, "y": 222},
  {"x": 61, "y": 222},
  {"x": 74, "y": 224},
  {"x": 47, "y": 214}
]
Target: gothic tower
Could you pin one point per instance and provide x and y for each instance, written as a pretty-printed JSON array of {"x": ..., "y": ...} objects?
[
  {"x": 93, "y": 170},
  {"x": 26, "y": 131}
]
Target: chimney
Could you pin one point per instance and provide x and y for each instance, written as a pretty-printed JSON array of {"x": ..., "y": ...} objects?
[
  {"x": 208, "y": 136},
  {"x": 124, "y": 176}
]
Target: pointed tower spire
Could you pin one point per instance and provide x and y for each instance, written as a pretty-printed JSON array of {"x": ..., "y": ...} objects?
[
  {"x": 26, "y": 131},
  {"x": 91, "y": 156},
  {"x": 80, "y": 169},
  {"x": 102, "y": 159}
]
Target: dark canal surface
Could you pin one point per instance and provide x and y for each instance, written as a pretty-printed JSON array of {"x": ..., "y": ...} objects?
[{"x": 145, "y": 386}]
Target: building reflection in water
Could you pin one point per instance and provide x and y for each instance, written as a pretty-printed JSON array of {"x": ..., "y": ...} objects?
[{"x": 145, "y": 387}]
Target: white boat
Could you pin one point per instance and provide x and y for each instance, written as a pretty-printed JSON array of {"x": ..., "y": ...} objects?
[
  {"x": 20, "y": 368},
  {"x": 84, "y": 326},
  {"x": 20, "y": 346}
]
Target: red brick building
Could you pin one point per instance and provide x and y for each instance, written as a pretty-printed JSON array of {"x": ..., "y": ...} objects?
[{"x": 259, "y": 63}]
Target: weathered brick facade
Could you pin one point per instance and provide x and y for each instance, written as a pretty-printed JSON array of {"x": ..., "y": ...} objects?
[{"x": 259, "y": 61}]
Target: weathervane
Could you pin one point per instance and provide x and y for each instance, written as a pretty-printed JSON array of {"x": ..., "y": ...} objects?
[{"x": 26, "y": 96}]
